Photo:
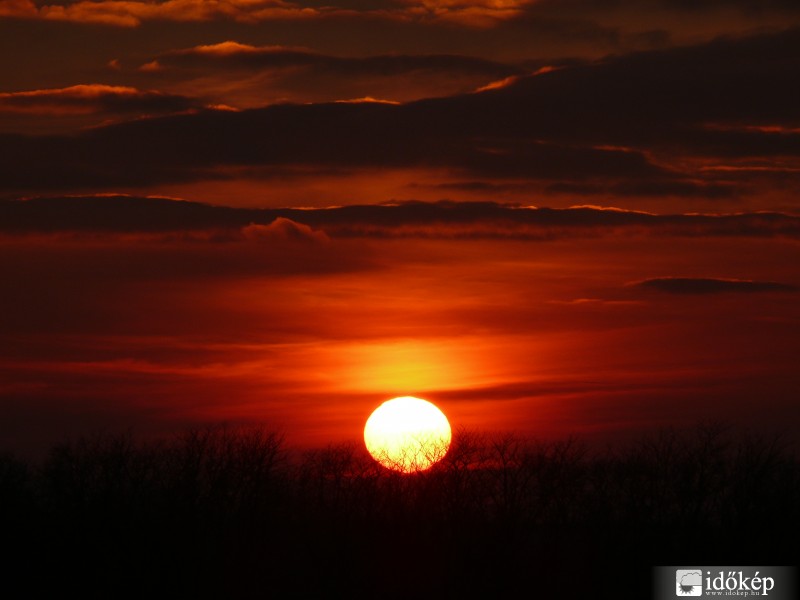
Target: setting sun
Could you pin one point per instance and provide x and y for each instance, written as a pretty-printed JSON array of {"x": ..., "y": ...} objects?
[{"x": 407, "y": 434}]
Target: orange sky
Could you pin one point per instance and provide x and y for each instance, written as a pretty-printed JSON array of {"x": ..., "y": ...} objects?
[
  {"x": 545, "y": 337},
  {"x": 551, "y": 216}
]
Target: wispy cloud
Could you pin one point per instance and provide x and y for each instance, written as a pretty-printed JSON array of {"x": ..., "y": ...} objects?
[
  {"x": 127, "y": 214},
  {"x": 93, "y": 98},
  {"x": 710, "y": 285}
]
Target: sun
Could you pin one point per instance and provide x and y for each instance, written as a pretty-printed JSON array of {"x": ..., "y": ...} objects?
[{"x": 407, "y": 434}]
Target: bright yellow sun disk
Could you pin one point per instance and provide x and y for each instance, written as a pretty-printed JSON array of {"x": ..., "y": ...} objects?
[{"x": 407, "y": 434}]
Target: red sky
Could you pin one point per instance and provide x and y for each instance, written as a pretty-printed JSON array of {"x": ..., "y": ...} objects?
[{"x": 391, "y": 186}]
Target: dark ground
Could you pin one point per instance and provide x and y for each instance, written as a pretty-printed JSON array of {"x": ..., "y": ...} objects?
[{"x": 233, "y": 513}]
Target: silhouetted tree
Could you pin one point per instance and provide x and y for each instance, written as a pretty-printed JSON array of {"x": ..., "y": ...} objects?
[{"x": 228, "y": 511}]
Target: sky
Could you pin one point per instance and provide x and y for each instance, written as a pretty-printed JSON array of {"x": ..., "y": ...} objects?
[{"x": 557, "y": 217}]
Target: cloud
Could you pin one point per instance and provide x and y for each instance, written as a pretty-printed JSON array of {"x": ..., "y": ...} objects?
[
  {"x": 131, "y": 13},
  {"x": 18, "y": 8},
  {"x": 664, "y": 99},
  {"x": 284, "y": 229},
  {"x": 545, "y": 15},
  {"x": 74, "y": 108},
  {"x": 342, "y": 135},
  {"x": 750, "y": 6},
  {"x": 231, "y": 54},
  {"x": 93, "y": 98},
  {"x": 645, "y": 132},
  {"x": 125, "y": 214},
  {"x": 122, "y": 214},
  {"x": 652, "y": 188},
  {"x": 703, "y": 285},
  {"x": 251, "y": 76}
]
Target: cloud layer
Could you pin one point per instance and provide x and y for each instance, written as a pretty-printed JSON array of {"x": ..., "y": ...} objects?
[
  {"x": 714, "y": 121},
  {"x": 465, "y": 13},
  {"x": 248, "y": 76},
  {"x": 126, "y": 214},
  {"x": 92, "y": 98},
  {"x": 704, "y": 285},
  {"x": 80, "y": 106}
]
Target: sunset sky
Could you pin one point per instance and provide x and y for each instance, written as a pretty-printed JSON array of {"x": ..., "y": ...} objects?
[{"x": 555, "y": 217}]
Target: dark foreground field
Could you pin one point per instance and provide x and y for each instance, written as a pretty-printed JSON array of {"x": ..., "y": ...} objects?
[{"x": 233, "y": 513}]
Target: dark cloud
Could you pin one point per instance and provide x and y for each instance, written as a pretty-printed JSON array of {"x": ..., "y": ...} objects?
[
  {"x": 93, "y": 98},
  {"x": 621, "y": 121},
  {"x": 685, "y": 189},
  {"x": 77, "y": 106},
  {"x": 702, "y": 285},
  {"x": 688, "y": 5},
  {"x": 122, "y": 214},
  {"x": 533, "y": 389},
  {"x": 189, "y": 147},
  {"x": 283, "y": 229},
  {"x": 251, "y": 76},
  {"x": 662, "y": 98},
  {"x": 748, "y": 5},
  {"x": 228, "y": 55},
  {"x": 475, "y": 186}
]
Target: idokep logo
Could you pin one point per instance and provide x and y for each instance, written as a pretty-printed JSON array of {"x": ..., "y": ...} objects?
[
  {"x": 770, "y": 583},
  {"x": 688, "y": 582}
]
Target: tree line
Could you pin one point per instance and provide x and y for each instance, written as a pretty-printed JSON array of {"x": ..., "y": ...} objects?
[{"x": 229, "y": 512}]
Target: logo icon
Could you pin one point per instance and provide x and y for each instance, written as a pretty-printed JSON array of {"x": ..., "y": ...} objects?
[{"x": 688, "y": 582}]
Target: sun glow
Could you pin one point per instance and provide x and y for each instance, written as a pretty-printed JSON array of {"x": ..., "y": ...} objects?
[{"x": 407, "y": 434}]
